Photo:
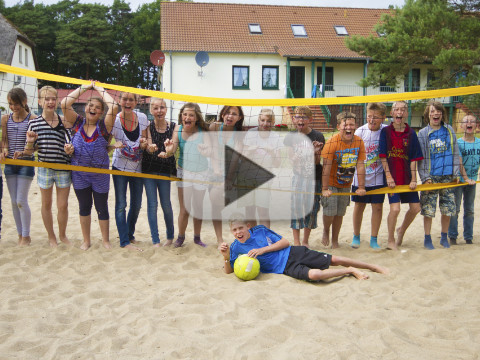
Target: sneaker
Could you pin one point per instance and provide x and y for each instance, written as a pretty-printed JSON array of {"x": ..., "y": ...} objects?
[{"x": 453, "y": 241}]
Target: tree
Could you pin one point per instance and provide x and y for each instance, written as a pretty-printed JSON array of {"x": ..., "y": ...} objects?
[
  {"x": 423, "y": 32},
  {"x": 81, "y": 42}
]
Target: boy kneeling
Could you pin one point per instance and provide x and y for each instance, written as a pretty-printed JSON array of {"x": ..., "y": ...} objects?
[{"x": 277, "y": 256}]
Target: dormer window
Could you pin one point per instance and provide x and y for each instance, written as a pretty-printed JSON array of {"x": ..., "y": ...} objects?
[
  {"x": 341, "y": 30},
  {"x": 299, "y": 31},
  {"x": 255, "y": 28}
]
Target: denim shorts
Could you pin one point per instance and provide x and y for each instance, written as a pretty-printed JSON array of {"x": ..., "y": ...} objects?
[
  {"x": 47, "y": 177},
  {"x": 19, "y": 170}
]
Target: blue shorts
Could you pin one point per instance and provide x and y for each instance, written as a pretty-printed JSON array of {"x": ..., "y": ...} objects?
[
  {"x": 369, "y": 199},
  {"x": 19, "y": 170},
  {"x": 47, "y": 177},
  {"x": 404, "y": 198}
]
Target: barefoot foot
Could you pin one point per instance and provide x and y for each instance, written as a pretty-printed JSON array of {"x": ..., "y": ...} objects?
[
  {"x": 325, "y": 239},
  {"x": 392, "y": 245},
  {"x": 107, "y": 245},
  {"x": 85, "y": 246},
  {"x": 168, "y": 243},
  {"x": 131, "y": 247},
  {"x": 26, "y": 241},
  {"x": 157, "y": 245},
  {"x": 53, "y": 242},
  {"x": 379, "y": 269},
  {"x": 399, "y": 237},
  {"x": 360, "y": 275},
  {"x": 65, "y": 240}
]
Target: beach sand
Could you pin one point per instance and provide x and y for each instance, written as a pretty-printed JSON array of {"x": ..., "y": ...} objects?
[{"x": 169, "y": 303}]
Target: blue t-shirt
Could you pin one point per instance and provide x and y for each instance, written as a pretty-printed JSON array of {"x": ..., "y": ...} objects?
[
  {"x": 470, "y": 152},
  {"x": 260, "y": 236},
  {"x": 441, "y": 155}
]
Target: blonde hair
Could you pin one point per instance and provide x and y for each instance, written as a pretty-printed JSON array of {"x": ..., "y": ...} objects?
[
  {"x": 377, "y": 106},
  {"x": 154, "y": 100},
  {"x": 47, "y": 88},
  {"x": 268, "y": 113},
  {"x": 304, "y": 110},
  {"x": 236, "y": 218}
]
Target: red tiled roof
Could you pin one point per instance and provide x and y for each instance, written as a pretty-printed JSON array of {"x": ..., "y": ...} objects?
[{"x": 192, "y": 27}]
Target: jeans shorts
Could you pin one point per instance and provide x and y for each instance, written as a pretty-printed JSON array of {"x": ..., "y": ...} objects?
[
  {"x": 47, "y": 177},
  {"x": 19, "y": 170}
]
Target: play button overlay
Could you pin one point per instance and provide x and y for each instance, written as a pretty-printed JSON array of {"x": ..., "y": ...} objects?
[
  {"x": 233, "y": 193},
  {"x": 263, "y": 175}
]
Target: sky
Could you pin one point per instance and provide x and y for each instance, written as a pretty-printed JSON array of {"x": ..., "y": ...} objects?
[{"x": 380, "y": 4}]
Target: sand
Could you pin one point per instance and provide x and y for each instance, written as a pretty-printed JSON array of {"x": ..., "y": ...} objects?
[{"x": 170, "y": 303}]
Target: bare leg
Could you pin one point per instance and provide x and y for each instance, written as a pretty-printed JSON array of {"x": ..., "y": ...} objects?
[
  {"x": 392, "y": 223},
  {"x": 358, "y": 210},
  {"x": 197, "y": 206},
  {"x": 62, "y": 216},
  {"x": 85, "y": 223},
  {"x": 336, "y": 225},
  {"x": 327, "y": 222},
  {"x": 264, "y": 216},
  {"x": 413, "y": 210},
  {"x": 217, "y": 226},
  {"x": 296, "y": 237},
  {"x": 183, "y": 214},
  {"x": 105, "y": 230},
  {"x": 47, "y": 216},
  {"x": 377, "y": 213},
  {"x": 345, "y": 261},
  {"x": 306, "y": 236},
  {"x": 317, "y": 274},
  {"x": 445, "y": 222},
  {"x": 427, "y": 224},
  {"x": 250, "y": 215},
  {"x": 26, "y": 240}
]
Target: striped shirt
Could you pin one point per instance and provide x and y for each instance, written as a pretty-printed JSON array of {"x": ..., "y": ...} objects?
[
  {"x": 50, "y": 140},
  {"x": 17, "y": 134}
]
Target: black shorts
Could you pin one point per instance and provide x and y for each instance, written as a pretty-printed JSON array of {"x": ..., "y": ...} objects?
[{"x": 302, "y": 259}]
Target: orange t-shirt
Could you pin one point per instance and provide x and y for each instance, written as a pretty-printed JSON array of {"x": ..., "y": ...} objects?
[{"x": 344, "y": 158}]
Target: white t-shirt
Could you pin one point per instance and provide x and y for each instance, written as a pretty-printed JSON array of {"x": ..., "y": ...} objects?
[
  {"x": 373, "y": 165},
  {"x": 257, "y": 146},
  {"x": 130, "y": 157}
]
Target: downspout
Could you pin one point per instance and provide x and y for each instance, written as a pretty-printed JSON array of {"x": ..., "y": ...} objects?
[
  {"x": 410, "y": 84},
  {"x": 313, "y": 78},
  {"x": 364, "y": 91},
  {"x": 171, "y": 85},
  {"x": 323, "y": 78}
]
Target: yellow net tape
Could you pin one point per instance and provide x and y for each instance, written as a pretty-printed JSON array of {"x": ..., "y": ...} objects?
[
  {"x": 239, "y": 102},
  {"x": 468, "y": 90}
]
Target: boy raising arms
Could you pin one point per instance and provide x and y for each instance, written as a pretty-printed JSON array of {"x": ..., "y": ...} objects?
[
  {"x": 370, "y": 134},
  {"x": 302, "y": 171},
  {"x": 277, "y": 256},
  {"x": 440, "y": 165},
  {"x": 399, "y": 153},
  {"x": 469, "y": 147},
  {"x": 342, "y": 155}
]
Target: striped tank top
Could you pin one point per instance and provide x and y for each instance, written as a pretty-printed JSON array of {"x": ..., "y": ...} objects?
[{"x": 16, "y": 134}]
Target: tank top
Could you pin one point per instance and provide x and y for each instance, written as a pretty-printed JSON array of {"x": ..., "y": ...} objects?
[
  {"x": 190, "y": 158},
  {"x": 17, "y": 134},
  {"x": 151, "y": 163}
]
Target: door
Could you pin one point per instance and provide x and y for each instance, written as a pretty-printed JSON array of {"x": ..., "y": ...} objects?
[{"x": 297, "y": 81}]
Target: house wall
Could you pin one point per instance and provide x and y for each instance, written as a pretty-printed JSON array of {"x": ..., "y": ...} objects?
[
  {"x": 8, "y": 81},
  {"x": 217, "y": 81}
]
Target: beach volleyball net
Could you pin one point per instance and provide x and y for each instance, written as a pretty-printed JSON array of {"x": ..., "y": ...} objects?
[{"x": 284, "y": 158}]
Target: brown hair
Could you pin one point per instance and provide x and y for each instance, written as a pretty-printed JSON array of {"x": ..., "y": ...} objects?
[
  {"x": 200, "y": 122},
  {"x": 18, "y": 97},
  {"x": 304, "y": 110},
  {"x": 239, "y": 123},
  {"x": 377, "y": 106},
  {"x": 437, "y": 106},
  {"x": 344, "y": 115},
  {"x": 99, "y": 99}
]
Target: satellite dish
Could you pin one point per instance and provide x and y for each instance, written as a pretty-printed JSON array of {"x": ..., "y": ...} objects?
[
  {"x": 157, "y": 57},
  {"x": 201, "y": 58}
]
